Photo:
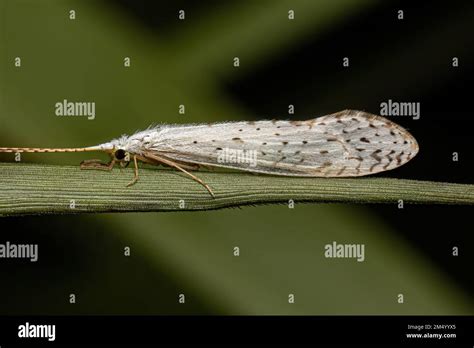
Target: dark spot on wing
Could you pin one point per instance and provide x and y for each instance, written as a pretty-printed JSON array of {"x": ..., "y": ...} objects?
[
  {"x": 373, "y": 166},
  {"x": 327, "y": 164},
  {"x": 358, "y": 168},
  {"x": 399, "y": 157},
  {"x": 375, "y": 156}
]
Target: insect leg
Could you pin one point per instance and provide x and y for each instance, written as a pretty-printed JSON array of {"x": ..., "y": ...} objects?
[
  {"x": 87, "y": 162},
  {"x": 174, "y": 165},
  {"x": 97, "y": 164},
  {"x": 187, "y": 166},
  {"x": 135, "y": 178}
]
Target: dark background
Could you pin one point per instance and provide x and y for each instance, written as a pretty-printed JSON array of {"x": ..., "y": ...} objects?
[{"x": 407, "y": 60}]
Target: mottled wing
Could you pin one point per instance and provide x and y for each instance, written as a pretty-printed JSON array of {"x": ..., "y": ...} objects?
[{"x": 347, "y": 143}]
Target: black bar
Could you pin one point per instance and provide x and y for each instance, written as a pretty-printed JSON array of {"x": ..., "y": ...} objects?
[{"x": 243, "y": 329}]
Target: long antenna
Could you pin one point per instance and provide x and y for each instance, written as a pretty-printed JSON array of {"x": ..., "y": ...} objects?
[{"x": 39, "y": 149}]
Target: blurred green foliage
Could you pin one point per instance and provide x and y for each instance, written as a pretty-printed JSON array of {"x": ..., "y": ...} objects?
[{"x": 281, "y": 248}]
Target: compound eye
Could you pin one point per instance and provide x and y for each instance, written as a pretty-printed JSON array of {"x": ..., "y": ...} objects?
[{"x": 120, "y": 154}]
